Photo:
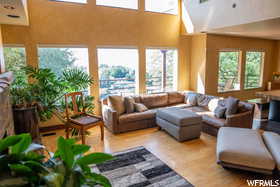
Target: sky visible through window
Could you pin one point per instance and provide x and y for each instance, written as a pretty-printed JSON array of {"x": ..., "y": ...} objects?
[{"x": 132, "y": 4}]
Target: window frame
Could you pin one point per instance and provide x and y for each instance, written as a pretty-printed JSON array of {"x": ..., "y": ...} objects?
[
  {"x": 137, "y": 69},
  {"x": 118, "y": 7},
  {"x": 166, "y": 13},
  {"x": 263, "y": 54},
  {"x": 240, "y": 56},
  {"x": 175, "y": 81}
]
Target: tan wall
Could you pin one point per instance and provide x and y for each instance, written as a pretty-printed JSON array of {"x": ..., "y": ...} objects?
[
  {"x": 218, "y": 42},
  {"x": 198, "y": 63},
  {"x": 2, "y": 65},
  {"x": 277, "y": 55},
  {"x": 58, "y": 23}
]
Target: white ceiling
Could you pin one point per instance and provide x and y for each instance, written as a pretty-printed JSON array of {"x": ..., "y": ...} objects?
[
  {"x": 268, "y": 29},
  {"x": 253, "y": 18},
  {"x": 14, "y": 8}
]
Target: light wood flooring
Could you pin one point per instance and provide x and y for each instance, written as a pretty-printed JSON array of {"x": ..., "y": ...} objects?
[{"x": 195, "y": 160}]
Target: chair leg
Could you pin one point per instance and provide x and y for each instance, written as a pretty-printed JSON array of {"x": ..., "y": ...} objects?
[
  {"x": 67, "y": 131},
  {"x": 102, "y": 130},
  {"x": 83, "y": 136}
]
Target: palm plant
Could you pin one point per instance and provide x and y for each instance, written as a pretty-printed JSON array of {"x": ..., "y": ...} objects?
[{"x": 45, "y": 90}]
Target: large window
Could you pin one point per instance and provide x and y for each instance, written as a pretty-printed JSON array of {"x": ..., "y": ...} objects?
[
  {"x": 72, "y": 1},
  {"x": 117, "y": 71},
  {"x": 161, "y": 70},
  {"x": 60, "y": 59},
  {"x": 162, "y": 6},
  {"x": 15, "y": 59},
  {"x": 253, "y": 71},
  {"x": 229, "y": 71},
  {"x": 131, "y": 4}
]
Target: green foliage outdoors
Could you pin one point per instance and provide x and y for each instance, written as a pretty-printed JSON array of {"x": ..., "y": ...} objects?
[
  {"x": 229, "y": 69},
  {"x": 21, "y": 165}
]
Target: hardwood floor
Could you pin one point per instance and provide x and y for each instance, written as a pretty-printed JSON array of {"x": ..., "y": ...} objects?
[{"x": 195, "y": 160}]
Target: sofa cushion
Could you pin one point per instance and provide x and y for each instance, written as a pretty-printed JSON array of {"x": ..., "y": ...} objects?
[
  {"x": 272, "y": 141},
  {"x": 211, "y": 119},
  {"x": 197, "y": 109},
  {"x": 155, "y": 100},
  {"x": 191, "y": 98},
  {"x": 116, "y": 102},
  {"x": 175, "y": 97},
  {"x": 243, "y": 147},
  {"x": 129, "y": 104},
  {"x": 231, "y": 105},
  {"x": 179, "y": 117},
  {"x": 137, "y": 116},
  {"x": 139, "y": 107}
]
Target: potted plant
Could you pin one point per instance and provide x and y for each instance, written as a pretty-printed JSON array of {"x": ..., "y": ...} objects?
[
  {"x": 21, "y": 165},
  {"x": 40, "y": 98}
]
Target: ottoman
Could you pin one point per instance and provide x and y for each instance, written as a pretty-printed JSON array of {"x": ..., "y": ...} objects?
[
  {"x": 243, "y": 149},
  {"x": 180, "y": 123}
]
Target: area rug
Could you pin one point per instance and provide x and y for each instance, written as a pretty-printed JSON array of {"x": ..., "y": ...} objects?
[{"x": 138, "y": 167}]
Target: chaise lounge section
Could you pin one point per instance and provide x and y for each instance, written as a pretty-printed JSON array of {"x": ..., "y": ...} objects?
[{"x": 121, "y": 117}]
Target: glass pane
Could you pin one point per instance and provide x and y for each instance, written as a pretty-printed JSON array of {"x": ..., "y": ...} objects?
[
  {"x": 228, "y": 71},
  {"x": 60, "y": 59},
  {"x": 117, "y": 69},
  {"x": 160, "y": 70},
  {"x": 15, "y": 58},
  {"x": 162, "y": 6},
  {"x": 72, "y": 1},
  {"x": 253, "y": 71},
  {"x": 131, "y": 4}
]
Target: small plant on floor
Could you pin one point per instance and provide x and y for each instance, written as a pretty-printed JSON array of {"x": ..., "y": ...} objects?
[
  {"x": 20, "y": 165},
  {"x": 71, "y": 166}
]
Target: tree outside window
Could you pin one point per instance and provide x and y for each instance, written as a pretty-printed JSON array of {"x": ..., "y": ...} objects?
[{"x": 229, "y": 71}]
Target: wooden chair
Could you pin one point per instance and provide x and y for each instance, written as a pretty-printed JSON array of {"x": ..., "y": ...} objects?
[{"x": 80, "y": 120}]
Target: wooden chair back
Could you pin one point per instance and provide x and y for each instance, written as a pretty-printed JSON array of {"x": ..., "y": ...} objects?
[{"x": 75, "y": 109}]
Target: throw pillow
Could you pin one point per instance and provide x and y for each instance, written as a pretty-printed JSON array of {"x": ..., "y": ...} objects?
[
  {"x": 213, "y": 104},
  {"x": 129, "y": 104},
  {"x": 220, "y": 111},
  {"x": 231, "y": 105},
  {"x": 192, "y": 98},
  {"x": 139, "y": 107},
  {"x": 116, "y": 102}
]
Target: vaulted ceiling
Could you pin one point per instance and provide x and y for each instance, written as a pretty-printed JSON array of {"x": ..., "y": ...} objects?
[{"x": 253, "y": 18}]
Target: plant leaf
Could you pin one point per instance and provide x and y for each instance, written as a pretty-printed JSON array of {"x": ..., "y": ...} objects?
[
  {"x": 94, "y": 158},
  {"x": 100, "y": 179},
  {"x": 9, "y": 141},
  {"x": 65, "y": 152},
  {"x": 80, "y": 149},
  {"x": 22, "y": 145},
  {"x": 20, "y": 168}
]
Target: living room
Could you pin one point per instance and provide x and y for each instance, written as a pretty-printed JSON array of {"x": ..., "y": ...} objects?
[{"x": 158, "y": 78}]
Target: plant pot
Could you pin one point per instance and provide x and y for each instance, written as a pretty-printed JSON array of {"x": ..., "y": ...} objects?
[{"x": 26, "y": 120}]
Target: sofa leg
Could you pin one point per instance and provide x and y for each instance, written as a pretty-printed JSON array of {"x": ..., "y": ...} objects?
[{"x": 159, "y": 128}]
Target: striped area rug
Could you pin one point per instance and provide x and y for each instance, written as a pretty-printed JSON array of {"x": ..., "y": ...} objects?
[{"x": 138, "y": 167}]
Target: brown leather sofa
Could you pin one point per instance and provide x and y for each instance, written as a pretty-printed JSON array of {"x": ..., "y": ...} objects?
[{"x": 124, "y": 122}]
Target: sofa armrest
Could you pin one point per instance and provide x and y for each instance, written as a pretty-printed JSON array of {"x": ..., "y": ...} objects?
[
  {"x": 110, "y": 118},
  {"x": 242, "y": 120}
]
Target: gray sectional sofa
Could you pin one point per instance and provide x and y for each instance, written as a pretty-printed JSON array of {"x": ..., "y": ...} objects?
[{"x": 121, "y": 117}]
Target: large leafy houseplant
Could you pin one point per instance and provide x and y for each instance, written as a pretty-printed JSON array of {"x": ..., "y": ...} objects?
[
  {"x": 44, "y": 92},
  {"x": 20, "y": 165}
]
